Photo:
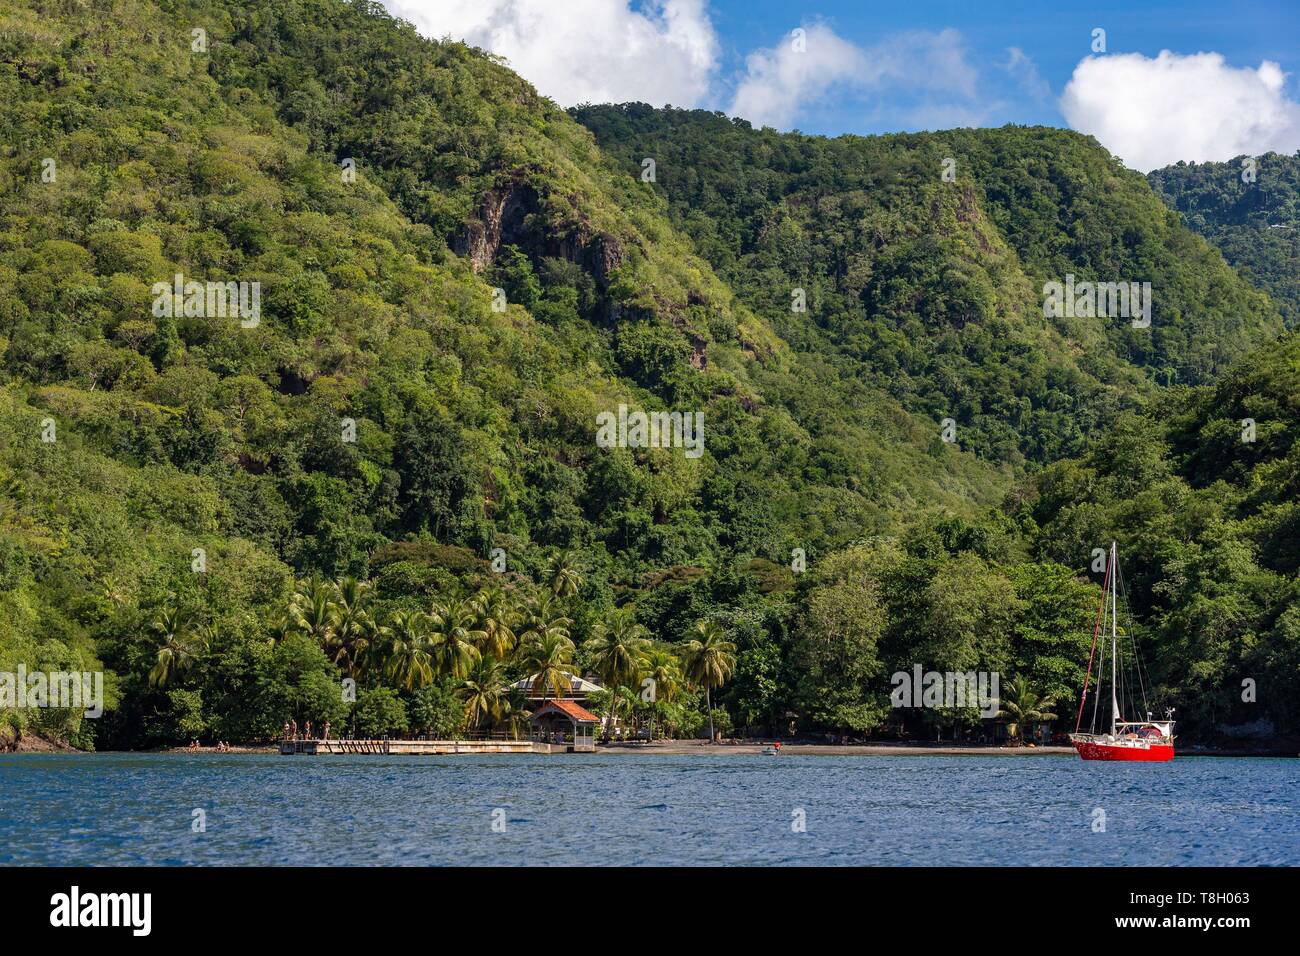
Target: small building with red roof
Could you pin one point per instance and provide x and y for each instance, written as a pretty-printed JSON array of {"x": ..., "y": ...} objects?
[{"x": 566, "y": 723}]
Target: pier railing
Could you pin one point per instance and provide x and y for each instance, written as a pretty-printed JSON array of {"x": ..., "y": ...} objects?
[{"x": 463, "y": 745}]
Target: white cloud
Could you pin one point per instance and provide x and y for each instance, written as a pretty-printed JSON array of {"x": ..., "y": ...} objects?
[
  {"x": 666, "y": 51},
  {"x": 781, "y": 81},
  {"x": 595, "y": 51},
  {"x": 1025, "y": 72},
  {"x": 1153, "y": 112}
]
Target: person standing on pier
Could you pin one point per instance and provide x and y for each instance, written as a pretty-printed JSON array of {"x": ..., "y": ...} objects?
[
  {"x": 325, "y": 734},
  {"x": 294, "y": 725},
  {"x": 284, "y": 734},
  {"x": 306, "y": 732}
]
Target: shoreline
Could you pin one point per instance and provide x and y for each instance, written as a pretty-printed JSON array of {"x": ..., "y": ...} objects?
[
  {"x": 687, "y": 747},
  {"x": 671, "y": 748}
]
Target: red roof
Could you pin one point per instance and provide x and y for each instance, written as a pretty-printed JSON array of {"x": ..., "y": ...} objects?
[{"x": 569, "y": 708}]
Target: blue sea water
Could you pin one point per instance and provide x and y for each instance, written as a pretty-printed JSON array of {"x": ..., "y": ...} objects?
[{"x": 645, "y": 809}]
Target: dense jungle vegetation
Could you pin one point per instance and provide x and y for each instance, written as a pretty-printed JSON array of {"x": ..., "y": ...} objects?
[
  {"x": 391, "y": 478},
  {"x": 1250, "y": 209}
]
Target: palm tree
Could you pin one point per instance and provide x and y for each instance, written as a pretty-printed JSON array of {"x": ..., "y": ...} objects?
[
  {"x": 616, "y": 649},
  {"x": 351, "y": 628},
  {"x": 549, "y": 658},
  {"x": 710, "y": 659},
  {"x": 311, "y": 610},
  {"x": 484, "y": 692},
  {"x": 660, "y": 665},
  {"x": 409, "y": 657},
  {"x": 564, "y": 575},
  {"x": 542, "y": 618},
  {"x": 623, "y": 702},
  {"x": 497, "y": 617},
  {"x": 372, "y": 652},
  {"x": 181, "y": 644},
  {"x": 1024, "y": 706},
  {"x": 513, "y": 715},
  {"x": 281, "y": 628},
  {"x": 455, "y": 637}
]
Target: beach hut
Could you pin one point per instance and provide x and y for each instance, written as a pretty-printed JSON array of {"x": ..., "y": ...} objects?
[{"x": 565, "y": 723}]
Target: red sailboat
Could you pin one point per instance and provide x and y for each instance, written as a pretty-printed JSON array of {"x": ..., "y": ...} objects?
[{"x": 1146, "y": 740}]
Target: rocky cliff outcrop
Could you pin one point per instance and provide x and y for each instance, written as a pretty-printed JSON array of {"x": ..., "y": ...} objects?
[{"x": 512, "y": 214}]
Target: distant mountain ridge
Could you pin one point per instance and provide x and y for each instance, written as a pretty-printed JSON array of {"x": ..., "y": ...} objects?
[
  {"x": 931, "y": 285},
  {"x": 1249, "y": 208}
]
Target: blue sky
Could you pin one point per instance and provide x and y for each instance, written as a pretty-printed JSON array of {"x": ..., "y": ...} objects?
[
  {"x": 1055, "y": 36},
  {"x": 1226, "y": 86}
]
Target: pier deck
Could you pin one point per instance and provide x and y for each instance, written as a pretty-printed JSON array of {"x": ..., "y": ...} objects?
[{"x": 319, "y": 748}]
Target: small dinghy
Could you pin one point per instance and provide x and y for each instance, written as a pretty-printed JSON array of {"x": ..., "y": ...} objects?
[{"x": 772, "y": 751}]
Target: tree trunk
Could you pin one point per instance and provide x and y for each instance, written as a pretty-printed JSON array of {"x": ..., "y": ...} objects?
[{"x": 708, "y": 699}]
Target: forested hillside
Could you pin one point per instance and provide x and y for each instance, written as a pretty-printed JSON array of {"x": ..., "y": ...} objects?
[
  {"x": 1250, "y": 209},
  {"x": 932, "y": 287},
  {"x": 1204, "y": 490},
  {"x": 389, "y": 472}
]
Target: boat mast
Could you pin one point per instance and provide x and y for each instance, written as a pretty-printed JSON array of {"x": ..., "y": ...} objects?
[{"x": 1114, "y": 641}]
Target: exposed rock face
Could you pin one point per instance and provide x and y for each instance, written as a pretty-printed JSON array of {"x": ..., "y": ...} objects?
[
  {"x": 12, "y": 741},
  {"x": 511, "y": 214},
  {"x": 699, "y": 359},
  {"x": 502, "y": 219},
  {"x": 604, "y": 254}
]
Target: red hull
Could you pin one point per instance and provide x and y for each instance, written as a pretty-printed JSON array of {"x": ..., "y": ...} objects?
[{"x": 1148, "y": 753}]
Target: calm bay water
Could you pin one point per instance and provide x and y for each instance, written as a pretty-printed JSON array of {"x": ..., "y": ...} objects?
[{"x": 644, "y": 809}]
